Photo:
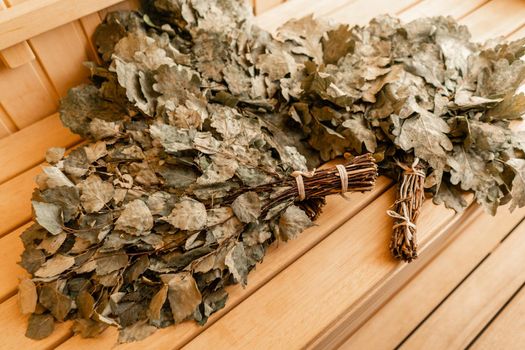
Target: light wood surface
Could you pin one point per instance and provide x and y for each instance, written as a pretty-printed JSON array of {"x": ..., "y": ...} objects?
[
  {"x": 507, "y": 331},
  {"x": 463, "y": 314},
  {"x": 27, "y": 148},
  {"x": 395, "y": 320},
  {"x": 312, "y": 292},
  {"x": 34, "y": 17}
]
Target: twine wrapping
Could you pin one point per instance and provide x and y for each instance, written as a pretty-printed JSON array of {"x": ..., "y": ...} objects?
[{"x": 300, "y": 183}]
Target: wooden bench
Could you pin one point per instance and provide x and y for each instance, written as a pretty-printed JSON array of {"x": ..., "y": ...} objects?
[{"x": 336, "y": 285}]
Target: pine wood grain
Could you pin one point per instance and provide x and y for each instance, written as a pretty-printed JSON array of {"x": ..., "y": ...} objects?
[
  {"x": 89, "y": 24},
  {"x": 272, "y": 19},
  {"x": 15, "y": 200},
  {"x": 27, "y": 147},
  {"x": 454, "y": 8},
  {"x": 262, "y": 6},
  {"x": 507, "y": 330},
  {"x": 7, "y": 126},
  {"x": 360, "y": 12},
  {"x": 497, "y": 17},
  {"x": 25, "y": 94},
  {"x": 14, "y": 327},
  {"x": 18, "y": 54},
  {"x": 11, "y": 248},
  {"x": 464, "y": 314},
  {"x": 62, "y": 52},
  {"x": 34, "y": 17},
  {"x": 476, "y": 238}
]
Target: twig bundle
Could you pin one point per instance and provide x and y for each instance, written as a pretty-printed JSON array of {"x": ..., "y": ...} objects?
[{"x": 410, "y": 198}]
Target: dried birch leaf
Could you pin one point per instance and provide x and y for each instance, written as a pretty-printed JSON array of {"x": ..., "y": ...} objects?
[
  {"x": 27, "y": 296},
  {"x": 40, "y": 326}
]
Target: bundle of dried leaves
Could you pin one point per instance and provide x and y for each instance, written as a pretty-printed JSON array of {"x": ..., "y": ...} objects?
[
  {"x": 196, "y": 120},
  {"x": 177, "y": 195}
]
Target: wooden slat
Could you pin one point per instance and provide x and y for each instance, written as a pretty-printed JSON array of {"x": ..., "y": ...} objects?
[
  {"x": 395, "y": 320},
  {"x": 38, "y": 16},
  {"x": 18, "y": 54},
  {"x": 518, "y": 34},
  {"x": 360, "y": 12},
  {"x": 262, "y": 6},
  {"x": 15, "y": 200},
  {"x": 62, "y": 52},
  {"x": 336, "y": 212},
  {"x": 89, "y": 25},
  {"x": 26, "y": 94},
  {"x": 496, "y": 18},
  {"x": 7, "y": 126},
  {"x": 14, "y": 327},
  {"x": 464, "y": 314},
  {"x": 26, "y": 148},
  {"x": 10, "y": 250},
  {"x": 508, "y": 329},
  {"x": 454, "y": 8},
  {"x": 272, "y": 19},
  {"x": 297, "y": 305}
]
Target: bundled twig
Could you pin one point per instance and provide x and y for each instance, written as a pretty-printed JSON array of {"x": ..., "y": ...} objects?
[{"x": 410, "y": 197}]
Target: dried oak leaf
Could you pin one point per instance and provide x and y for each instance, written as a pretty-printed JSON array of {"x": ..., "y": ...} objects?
[
  {"x": 426, "y": 134},
  {"x": 337, "y": 43},
  {"x": 292, "y": 222},
  {"x": 518, "y": 183},
  {"x": 135, "y": 219}
]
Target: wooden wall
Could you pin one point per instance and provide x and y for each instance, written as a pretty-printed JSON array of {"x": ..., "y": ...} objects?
[{"x": 37, "y": 72}]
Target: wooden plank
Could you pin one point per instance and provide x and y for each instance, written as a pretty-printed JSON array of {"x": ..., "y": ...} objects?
[
  {"x": 395, "y": 320},
  {"x": 454, "y": 8},
  {"x": 360, "y": 12},
  {"x": 464, "y": 313},
  {"x": 327, "y": 282},
  {"x": 62, "y": 52},
  {"x": 518, "y": 34},
  {"x": 261, "y": 6},
  {"x": 34, "y": 17},
  {"x": 89, "y": 25},
  {"x": 336, "y": 212},
  {"x": 14, "y": 326},
  {"x": 11, "y": 248},
  {"x": 507, "y": 330},
  {"x": 26, "y": 148},
  {"x": 7, "y": 126},
  {"x": 272, "y": 19},
  {"x": 15, "y": 200},
  {"x": 496, "y": 18},
  {"x": 16, "y": 55}
]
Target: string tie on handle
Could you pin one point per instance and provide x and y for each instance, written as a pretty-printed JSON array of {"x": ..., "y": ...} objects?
[{"x": 300, "y": 183}]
